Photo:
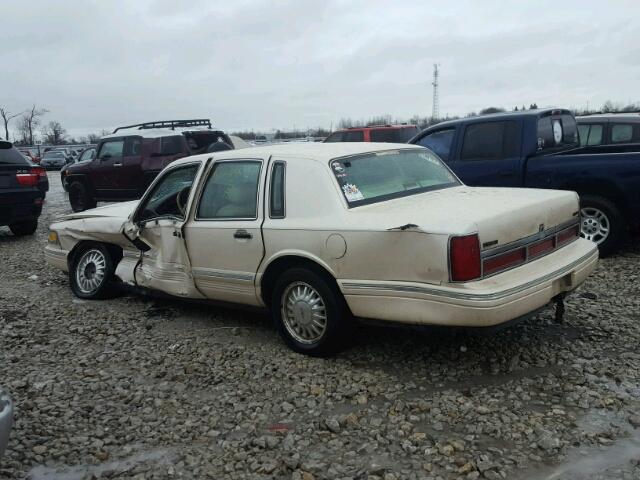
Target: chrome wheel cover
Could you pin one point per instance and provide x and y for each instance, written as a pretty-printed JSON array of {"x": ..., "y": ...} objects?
[
  {"x": 594, "y": 225},
  {"x": 303, "y": 313},
  {"x": 90, "y": 271}
]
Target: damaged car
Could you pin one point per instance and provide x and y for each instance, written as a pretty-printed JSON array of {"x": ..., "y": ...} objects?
[{"x": 323, "y": 234}]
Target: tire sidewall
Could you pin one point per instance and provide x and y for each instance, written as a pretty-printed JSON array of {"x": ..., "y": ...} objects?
[
  {"x": 27, "y": 227},
  {"x": 616, "y": 222},
  {"x": 106, "y": 287},
  {"x": 78, "y": 191},
  {"x": 338, "y": 318}
]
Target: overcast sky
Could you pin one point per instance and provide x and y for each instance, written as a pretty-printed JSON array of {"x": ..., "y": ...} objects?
[{"x": 262, "y": 64}]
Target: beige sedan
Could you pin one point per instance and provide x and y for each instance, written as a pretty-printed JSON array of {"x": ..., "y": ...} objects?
[{"x": 323, "y": 233}]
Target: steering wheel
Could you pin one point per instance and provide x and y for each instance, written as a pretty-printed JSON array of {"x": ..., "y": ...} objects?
[{"x": 181, "y": 199}]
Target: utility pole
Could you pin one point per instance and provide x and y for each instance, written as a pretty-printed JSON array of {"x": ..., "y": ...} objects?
[{"x": 435, "y": 107}]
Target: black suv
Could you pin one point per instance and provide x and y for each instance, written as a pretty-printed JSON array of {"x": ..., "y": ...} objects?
[
  {"x": 23, "y": 186},
  {"x": 128, "y": 160}
]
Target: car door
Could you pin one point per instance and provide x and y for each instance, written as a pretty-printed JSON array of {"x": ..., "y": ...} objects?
[
  {"x": 223, "y": 236},
  {"x": 490, "y": 154},
  {"x": 130, "y": 177},
  {"x": 156, "y": 230},
  {"x": 105, "y": 171}
]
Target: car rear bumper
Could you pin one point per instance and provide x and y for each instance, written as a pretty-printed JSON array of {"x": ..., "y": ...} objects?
[
  {"x": 56, "y": 257},
  {"x": 17, "y": 207},
  {"x": 6, "y": 420},
  {"x": 488, "y": 302}
]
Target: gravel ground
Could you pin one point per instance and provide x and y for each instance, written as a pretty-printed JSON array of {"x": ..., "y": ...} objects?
[{"x": 137, "y": 387}]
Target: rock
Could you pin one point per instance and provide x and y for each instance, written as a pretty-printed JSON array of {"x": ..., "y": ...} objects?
[
  {"x": 287, "y": 407},
  {"x": 39, "y": 449},
  {"x": 333, "y": 425},
  {"x": 634, "y": 420}
]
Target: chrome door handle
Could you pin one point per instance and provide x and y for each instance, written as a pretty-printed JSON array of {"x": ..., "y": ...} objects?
[
  {"x": 242, "y": 234},
  {"x": 117, "y": 164}
]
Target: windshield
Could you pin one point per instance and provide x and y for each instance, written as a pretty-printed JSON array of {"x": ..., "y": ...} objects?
[
  {"x": 54, "y": 155},
  {"x": 375, "y": 177}
]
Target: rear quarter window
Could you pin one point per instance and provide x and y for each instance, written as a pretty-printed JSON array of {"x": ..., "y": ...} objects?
[
  {"x": 557, "y": 131},
  {"x": 490, "y": 141}
]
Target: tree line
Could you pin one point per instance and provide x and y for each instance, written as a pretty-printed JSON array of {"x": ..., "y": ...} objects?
[{"x": 29, "y": 123}]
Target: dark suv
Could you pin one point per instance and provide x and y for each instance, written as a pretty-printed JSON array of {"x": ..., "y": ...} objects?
[
  {"x": 128, "y": 160},
  {"x": 23, "y": 186},
  {"x": 374, "y": 133}
]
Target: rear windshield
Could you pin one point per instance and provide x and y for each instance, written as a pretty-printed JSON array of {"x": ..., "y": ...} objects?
[
  {"x": 375, "y": 177},
  {"x": 393, "y": 135},
  {"x": 556, "y": 132},
  {"x": 9, "y": 155}
]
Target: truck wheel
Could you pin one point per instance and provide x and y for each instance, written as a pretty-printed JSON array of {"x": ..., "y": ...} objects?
[
  {"x": 310, "y": 313},
  {"x": 79, "y": 197},
  {"x": 602, "y": 223},
  {"x": 27, "y": 227},
  {"x": 91, "y": 273}
]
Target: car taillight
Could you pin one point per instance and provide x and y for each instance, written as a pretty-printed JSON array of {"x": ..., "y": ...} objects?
[
  {"x": 542, "y": 247},
  {"x": 504, "y": 261},
  {"x": 464, "y": 258},
  {"x": 32, "y": 177},
  {"x": 565, "y": 236}
]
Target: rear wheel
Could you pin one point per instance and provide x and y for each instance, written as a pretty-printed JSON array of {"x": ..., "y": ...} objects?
[
  {"x": 602, "y": 223},
  {"x": 91, "y": 273},
  {"x": 310, "y": 313},
  {"x": 80, "y": 198},
  {"x": 27, "y": 227}
]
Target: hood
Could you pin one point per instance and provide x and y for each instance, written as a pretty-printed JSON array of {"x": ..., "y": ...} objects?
[
  {"x": 115, "y": 210},
  {"x": 498, "y": 215}
]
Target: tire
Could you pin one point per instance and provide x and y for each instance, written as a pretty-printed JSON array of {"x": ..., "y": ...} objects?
[
  {"x": 91, "y": 273},
  {"x": 297, "y": 330},
  {"x": 27, "y": 227},
  {"x": 601, "y": 222},
  {"x": 79, "y": 197}
]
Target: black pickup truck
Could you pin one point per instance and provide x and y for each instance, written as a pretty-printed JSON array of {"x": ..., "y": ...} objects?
[{"x": 541, "y": 149}]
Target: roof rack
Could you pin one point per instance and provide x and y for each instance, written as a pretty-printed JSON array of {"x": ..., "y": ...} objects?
[{"x": 172, "y": 124}]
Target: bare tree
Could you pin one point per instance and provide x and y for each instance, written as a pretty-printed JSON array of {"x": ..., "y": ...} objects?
[
  {"x": 54, "y": 133},
  {"x": 7, "y": 117},
  {"x": 29, "y": 122}
]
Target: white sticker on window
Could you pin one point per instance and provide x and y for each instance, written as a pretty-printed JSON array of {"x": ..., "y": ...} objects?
[{"x": 352, "y": 193}]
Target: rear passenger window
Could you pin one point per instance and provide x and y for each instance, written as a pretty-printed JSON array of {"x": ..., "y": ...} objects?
[
  {"x": 490, "y": 141},
  {"x": 171, "y": 145},
  {"x": 276, "y": 200},
  {"x": 621, "y": 133},
  {"x": 132, "y": 146},
  {"x": 334, "y": 137},
  {"x": 439, "y": 142},
  {"x": 393, "y": 135}
]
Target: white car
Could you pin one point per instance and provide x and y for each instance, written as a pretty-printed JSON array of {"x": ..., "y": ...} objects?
[{"x": 324, "y": 233}]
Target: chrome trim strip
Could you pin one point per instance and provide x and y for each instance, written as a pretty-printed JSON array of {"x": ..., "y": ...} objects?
[
  {"x": 527, "y": 240},
  {"x": 56, "y": 252},
  {"x": 472, "y": 296},
  {"x": 223, "y": 274}
]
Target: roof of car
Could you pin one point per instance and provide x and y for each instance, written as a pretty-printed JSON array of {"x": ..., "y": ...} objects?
[
  {"x": 380, "y": 127},
  {"x": 627, "y": 117},
  {"x": 157, "y": 132},
  {"x": 536, "y": 112},
  {"x": 313, "y": 150}
]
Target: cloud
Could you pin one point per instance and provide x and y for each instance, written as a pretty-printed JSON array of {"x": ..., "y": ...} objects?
[{"x": 261, "y": 64}]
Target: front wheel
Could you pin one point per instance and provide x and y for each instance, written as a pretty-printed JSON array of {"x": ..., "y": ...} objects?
[
  {"x": 91, "y": 273},
  {"x": 602, "y": 223},
  {"x": 310, "y": 313}
]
